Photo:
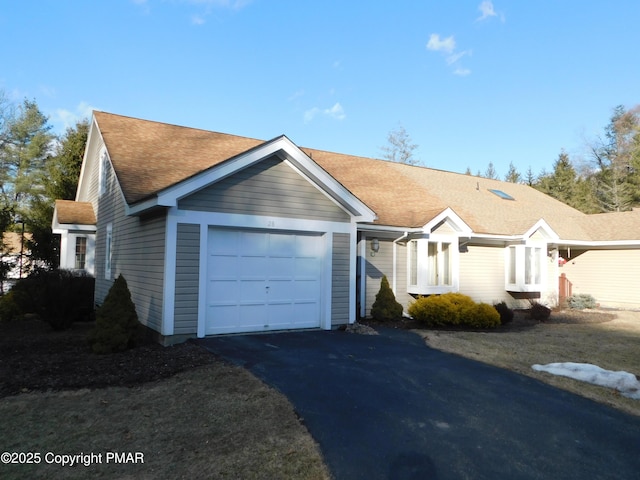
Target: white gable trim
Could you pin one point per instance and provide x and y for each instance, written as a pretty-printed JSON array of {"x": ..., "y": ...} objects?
[
  {"x": 282, "y": 147},
  {"x": 452, "y": 219},
  {"x": 545, "y": 229}
]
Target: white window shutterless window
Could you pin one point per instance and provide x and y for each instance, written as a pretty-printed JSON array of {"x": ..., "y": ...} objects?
[
  {"x": 432, "y": 265},
  {"x": 108, "y": 253},
  {"x": 81, "y": 253},
  {"x": 525, "y": 267}
]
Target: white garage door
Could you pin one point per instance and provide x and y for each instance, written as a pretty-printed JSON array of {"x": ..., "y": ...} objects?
[{"x": 261, "y": 281}]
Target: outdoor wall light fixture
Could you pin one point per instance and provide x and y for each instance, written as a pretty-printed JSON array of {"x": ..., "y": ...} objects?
[{"x": 375, "y": 246}]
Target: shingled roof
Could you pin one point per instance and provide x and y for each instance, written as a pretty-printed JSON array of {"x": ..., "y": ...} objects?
[
  {"x": 150, "y": 156},
  {"x": 75, "y": 213}
]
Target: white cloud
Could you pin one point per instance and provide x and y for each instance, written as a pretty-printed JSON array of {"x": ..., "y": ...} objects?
[
  {"x": 462, "y": 72},
  {"x": 197, "y": 20},
  {"x": 297, "y": 94},
  {"x": 487, "y": 11},
  {"x": 451, "y": 59},
  {"x": 486, "y": 8},
  {"x": 64, "y": 119},
  {"x": 447, "y": 45},
  {"x": 336, "y": 112},
  {"x": 310, "y": 114}
]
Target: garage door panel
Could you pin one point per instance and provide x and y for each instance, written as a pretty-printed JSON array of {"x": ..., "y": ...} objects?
[
  {"x": 272, "y": 278},
  {"x": 253, "y": 244}
]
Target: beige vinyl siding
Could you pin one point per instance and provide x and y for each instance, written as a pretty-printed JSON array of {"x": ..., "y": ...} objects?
[
  {"x": 187, "y": 279},
  {"x": 482, "y": 275},
  {"x": 138, "y": 246},
  {"x": 611, "y": 276},
  {"x": 382, "y": 264},
  {"x": 340, "y": 281},
  {"x": 270, "y": 188}
]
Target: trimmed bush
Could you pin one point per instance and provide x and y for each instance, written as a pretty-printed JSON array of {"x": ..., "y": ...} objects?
[
  {"x": 539, "y": 312},
  {"x": 117, "y": 327},
  {"x": 386, "y": 307},
  {"x": 581, "y": 301},
  {"x": 59, "y": 297},
  {"x": 480, "y": 315},
  {"x": 434, "y": 311},
  {"x": 452, "y": 309},
  {"x": 506, "y": 313}
]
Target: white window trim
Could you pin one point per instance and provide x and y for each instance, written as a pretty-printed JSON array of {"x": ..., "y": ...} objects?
[
  {"x": 422, "y": 287},
  {"x": 103, "y": 168},
  {"x": 108, "y": 252},
  {"x": 521, "y": 284}
]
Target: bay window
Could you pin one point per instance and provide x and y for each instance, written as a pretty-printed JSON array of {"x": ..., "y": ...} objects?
[
  {"x": 524, "y": 265},
  {"x": 432, "y": 266}
]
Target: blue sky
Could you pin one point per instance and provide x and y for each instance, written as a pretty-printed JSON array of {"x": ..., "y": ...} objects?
[{"x": 471, "y": 81}]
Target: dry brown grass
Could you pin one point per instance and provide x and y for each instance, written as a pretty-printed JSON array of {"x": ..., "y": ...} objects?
[
  {"x": 216, "y": 421},
  {"x": 611, "y": 342}
]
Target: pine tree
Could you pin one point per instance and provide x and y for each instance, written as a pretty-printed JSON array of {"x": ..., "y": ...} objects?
[{"x": 385, "y": 306}]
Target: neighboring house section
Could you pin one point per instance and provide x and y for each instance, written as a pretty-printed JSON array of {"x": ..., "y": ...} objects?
[
  {"x": 75, "y": 222},
  {"x": 217, "y": 233}
]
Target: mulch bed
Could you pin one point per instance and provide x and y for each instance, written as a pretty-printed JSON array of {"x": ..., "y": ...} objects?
[
  {"x": 33, "y": 357},
  {"x": 521, "y": 321}
]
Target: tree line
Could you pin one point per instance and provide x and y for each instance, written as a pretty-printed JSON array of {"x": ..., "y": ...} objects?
[
  {"x": 607, "y": 180},
  {"x": 36, "y": 168}
]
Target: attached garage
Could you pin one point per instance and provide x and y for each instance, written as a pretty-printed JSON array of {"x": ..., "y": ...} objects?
[{"x": 263, "y": 280}]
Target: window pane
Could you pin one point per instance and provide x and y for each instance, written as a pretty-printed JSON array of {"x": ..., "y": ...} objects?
[
  {"x": 433, "y": 263},
  {"x": 81, "y": 252},
  {"x": 446, "y": 264},
  {"x": 512, "y": 265},
  {"x": 528, "y": 273},
  {"x": 413, "y": 259},
  {"x": 537, "y": 252}
]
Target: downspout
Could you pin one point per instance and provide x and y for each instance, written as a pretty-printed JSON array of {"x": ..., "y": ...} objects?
[{"x": 395, "y": 260}]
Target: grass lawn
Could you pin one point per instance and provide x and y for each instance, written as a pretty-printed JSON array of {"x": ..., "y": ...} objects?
[
  {"x": 190, "y": 415},
  {"x": 610, "y": 340}
]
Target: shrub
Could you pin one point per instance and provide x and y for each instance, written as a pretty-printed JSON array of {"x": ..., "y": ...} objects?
[
  {"x": 480, "y": 315},
  {"x": 9, "y": 309},
  {"x": 581, "y": 301},
  {"x": 434, "y": 311},
  {"x": 506, "y": 313},
  {"x": 117, "y": 327},
  {"x": 539, "y": 312},
  {"x": 452, "y": 309},
  {"x": 385, "y": 306},
  {"x": 59, "y": 297}
]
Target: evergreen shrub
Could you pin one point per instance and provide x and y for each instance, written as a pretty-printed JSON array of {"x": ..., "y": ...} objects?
[
  {"x": 59, "y": 297},
  {"x": 480, "y": 315},
  {"x": 386, "y": 307},
  {"x": 539, "y": 312},
  {"x": 506, "y": 313},
  {"x": 581, "y": 301},
  {"x": 117, "y": 327}
]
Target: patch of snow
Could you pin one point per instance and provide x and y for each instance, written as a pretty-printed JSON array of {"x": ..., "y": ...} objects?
[{"x": 626, "y": 383}]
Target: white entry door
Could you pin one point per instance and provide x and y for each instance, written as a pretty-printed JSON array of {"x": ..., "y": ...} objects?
[{"x": 259, "y": 281}]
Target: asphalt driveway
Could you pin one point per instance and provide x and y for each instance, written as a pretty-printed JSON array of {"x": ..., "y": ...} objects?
[{"x": 389, "y": 407}]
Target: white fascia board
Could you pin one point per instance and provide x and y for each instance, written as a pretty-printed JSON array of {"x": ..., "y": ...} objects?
[
  {"x": 387, "y": 228},
  {"x": 94, "y": 130},
  {"x": 458, "y": 224},
  {"x": 170, "y": 196},
  {"x": 600, "y": 245},
  {"x": 541, "y": 224},
  {"x": 67, "y": 227}
]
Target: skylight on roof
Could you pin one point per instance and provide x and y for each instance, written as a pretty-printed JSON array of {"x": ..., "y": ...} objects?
[{"x": 501, "y": 194}]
